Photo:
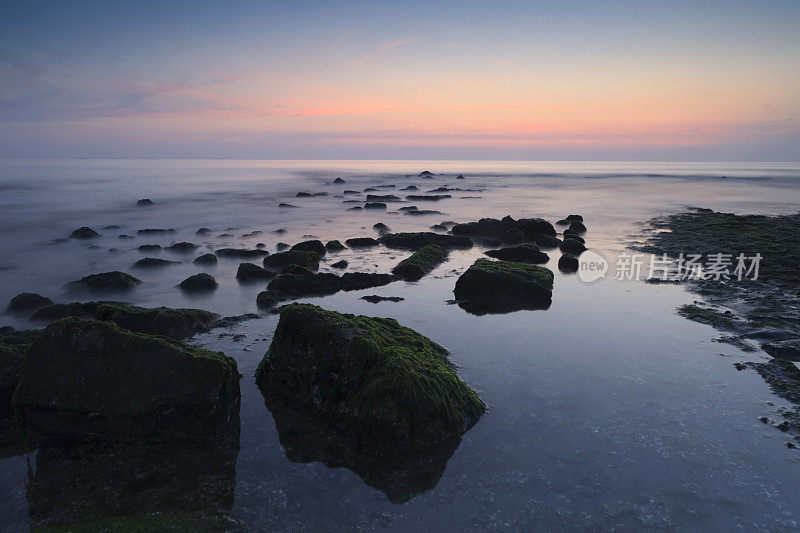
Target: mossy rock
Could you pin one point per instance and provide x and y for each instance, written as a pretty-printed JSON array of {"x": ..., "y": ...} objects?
[
  {"x": 524, "y": 253},
  {"x": 270, "y": 298},
  {"x": 514, "y": 235},
  {"x": 297, "y": 270},
  {"x": 177, "y": 323},
  {"x": 572, "y": 246},
  {"x": 315, "y": 246},
  {"x": 569, "y": 219},
  {"x": 303, "y": 258},
  {"x": 568, "y": 263},
  {"x": 84, "y": 233},
  {"x": 14, "y": 346},
  {"x": 199, "y": 282},
  {"x": 502, "y": 286},
  {"x": 252, "y": 272},
  {"x": 788, "y": 349},
  {"x": 577, "y": 227},
  {"x": 547, "y": 241},
  {"x": 182, "y": 247},
  {"x": 572, "y": 234},
  {"x": 73, "y": 309},
  {"x": 353, "y": 281},
  {"x": 26, "y": 302},
  {"x": 206, "y": 259},
  {"x": 86, "y": 378},
  {"x": 306, "y": 284},
  {"x": 420, "y": 262},
  {"x": 415, "y": 241},
  {"x": 386, "y": 385},
  {"x": 106, "y": 281},
  {"x": 281, "y": 246},
  {"x": 153, "y": 262},
  {"x": 334, "y": 246},
  {"x": 361, "y": 242}
]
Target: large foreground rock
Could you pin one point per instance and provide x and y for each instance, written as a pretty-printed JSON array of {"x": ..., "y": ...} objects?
[
  {"x": 386, "y": 386},
  {"x": 14, "y": 346},
  {"x": 502, "y": 286},
  {"x": 87, "y": 378}
]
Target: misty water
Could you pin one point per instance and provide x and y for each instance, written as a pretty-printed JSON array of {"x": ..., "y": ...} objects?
[{"x": 605, "y": 411}]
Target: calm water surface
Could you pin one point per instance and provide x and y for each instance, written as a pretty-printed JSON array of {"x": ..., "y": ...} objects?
[{"x": 606, "y": 411}]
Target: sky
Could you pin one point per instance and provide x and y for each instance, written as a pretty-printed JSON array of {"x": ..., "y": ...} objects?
[{"x": 525, "y": 80}]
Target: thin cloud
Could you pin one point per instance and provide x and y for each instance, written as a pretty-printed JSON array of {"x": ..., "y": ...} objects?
[{"x": 383, "y": 50}]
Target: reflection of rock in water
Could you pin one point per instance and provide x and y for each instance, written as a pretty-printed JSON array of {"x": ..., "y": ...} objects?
[
  {"x": 307, "y": 439},
  {"x": 78, "y": 481},
  {"x": 509, "y": 306}
]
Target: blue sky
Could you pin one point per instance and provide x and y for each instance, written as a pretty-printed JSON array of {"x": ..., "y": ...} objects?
[{"x": 487, "y": 80}]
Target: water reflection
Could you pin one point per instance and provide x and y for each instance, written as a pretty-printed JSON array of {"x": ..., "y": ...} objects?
[
  {"x": 504, "y": 304},
  {"x": 307, "y": 439},
  {"x": 78, "y": 481}
]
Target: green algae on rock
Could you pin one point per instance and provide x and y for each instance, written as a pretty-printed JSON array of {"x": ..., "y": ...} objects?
[
  {"x": 199, "y": 282},
  {"x": 177, "y": 323},
  {"x": 420, "y": 262},
  {"x": 572, "y": 246},
  {"x": 93, "y": 378},
  {"x": 383, "y": 384},
  {"x": 311, "y": 246},
  {"x": 26, "y": 302},
  {"x": 206, "y": 259},
  {"x": 106, "y": 281},
  {"x": 14, "y": 346},
  {"x": 270, "y": 298},
  {"x": 304, "y": 258},
  {"x": 253, "y": 272},
  {"x": 568, "y": 263},
  {"x": 503, "y": 286}
]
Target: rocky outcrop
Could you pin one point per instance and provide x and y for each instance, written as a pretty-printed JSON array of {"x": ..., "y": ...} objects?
[{"x": 502, "y": 286}]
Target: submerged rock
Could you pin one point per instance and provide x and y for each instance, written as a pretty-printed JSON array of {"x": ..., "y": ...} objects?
[
  {"x": 569, "y": 219},
  {"x": 287, "y": 206},
  {"x": 361, "y": 242},
  {"x": 382, "y": 198},
  {"x": 420, "y": 262},
  {"x": 144, "y": 248},
  {"x": 353, "y": 281},
  {"x": 145, "y": 202},
  {"x": 84, "y": 233},
  {"x": 524, "y": 253},
  {"x": 340, "y": 264},
  {"x": 568, "y": 263},
  {"x": 415, "y": 241},
  {"x": 199, "y": 282},
  {"x": 85, "y": 378},
  {"x": 334, "y": 246},
  {"x": 502, "y": 286},
  {"x": 206, "y": 259},
  {"x": 202, "y": 231},
  {"x": 315, "y": 246},
  {"x": 182, "y": 247},
  {"x": 788, "y": 349},
  {"x": 153, "y": 262},
  {"x": 427, "y": 197},
  {"x": 338, "y": 181},
  {"x": 281, "y": 260},
  {"x": 386, "y": 386},
  {"x": 251, "y": 272},
  {"x": 374, "y": 205},
  {"x": 154, "y": 231},
  {"x": 241, "y": 253},
  {"x": 374, "y": 299},
  {"x": 106, "y": 281},
  {"x": 26, "y": 302}
]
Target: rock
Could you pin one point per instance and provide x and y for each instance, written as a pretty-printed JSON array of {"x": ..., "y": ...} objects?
[
  {"x": 420, "y": 262},
  {"x": 308, "y": 284},
  {"x": 27, "y": 302},
  {"x": 270, "y": 298},
  {"x": 284, "y": 205},
  {"x": 338, "y": 181},
  {"x": 176, "y": 323},
  {"x": 408, "y": 208},
  {"x": 144, "y": 248},
  {"x": 353, "y": 281},
  {"x": 502, "y": 286},
  {"x": 96, "y": 379},
  {"x": 315, "y": 246},
  {"x": 577, "y": 227},
  {"x": 427, "y": 197},
  {"x": 282, "y": 246},
  {"x": 84, "y": 233},
  {"x": 524, "y": 253},
  {"x": 380, "y": 226},
  {"x": 106, "y": 281},
  {"x": 373, "y": 205},
  {"x": 514, "y": 235},
  {"x": 281, "y": 260},
  {"x": 74, "y": 309},
  {"x": 297, "y": 270},
  {"x": 350, "y": 192},
  {"x": 154, "y": 231},
  {"x": 304, "y": 195},
  {"x": 374, "y": 299},
  {"x": 460, "y": 177},
  {"x": 151, "y": 262},
  {"x": 410, "y": 188},
  {"x": 426, "y": 174},
  {"x": 438, "y": 227},
  {"x": 206, "y": 259},
  {"x": 361, "y": 242},
  {"x": 202, "y": 231},
  {"x": 357, "y": 208},
  {"x": 382, "y": 198},
  {"x": 145, "y": 202},
  {"x": 386, "y": 386},
  {"x": 123, "y": 236},
  {"x": 568, "y": 263},
  {"x": 340, "y": 264},
  {"x": 569, "y": 219},
  {"x": 334, "y": 246},
  {"x": 241, "y": 253},
  {"x": 182, "y": 247},
  {"x": 199, "y": 282},
  {"x": 112, "y": 226},
  {"x": 415, "y": 241},
  {"x": 572, "y": 234},
  {"x": 14, "y": 346},
  {"x": 533, "y": 227},
  {"x": 251, "y": 272},
  {"x": 787, "y": 349},
  {"x": 572, "y": 246},
  {"x": 422, "y": 212}
]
